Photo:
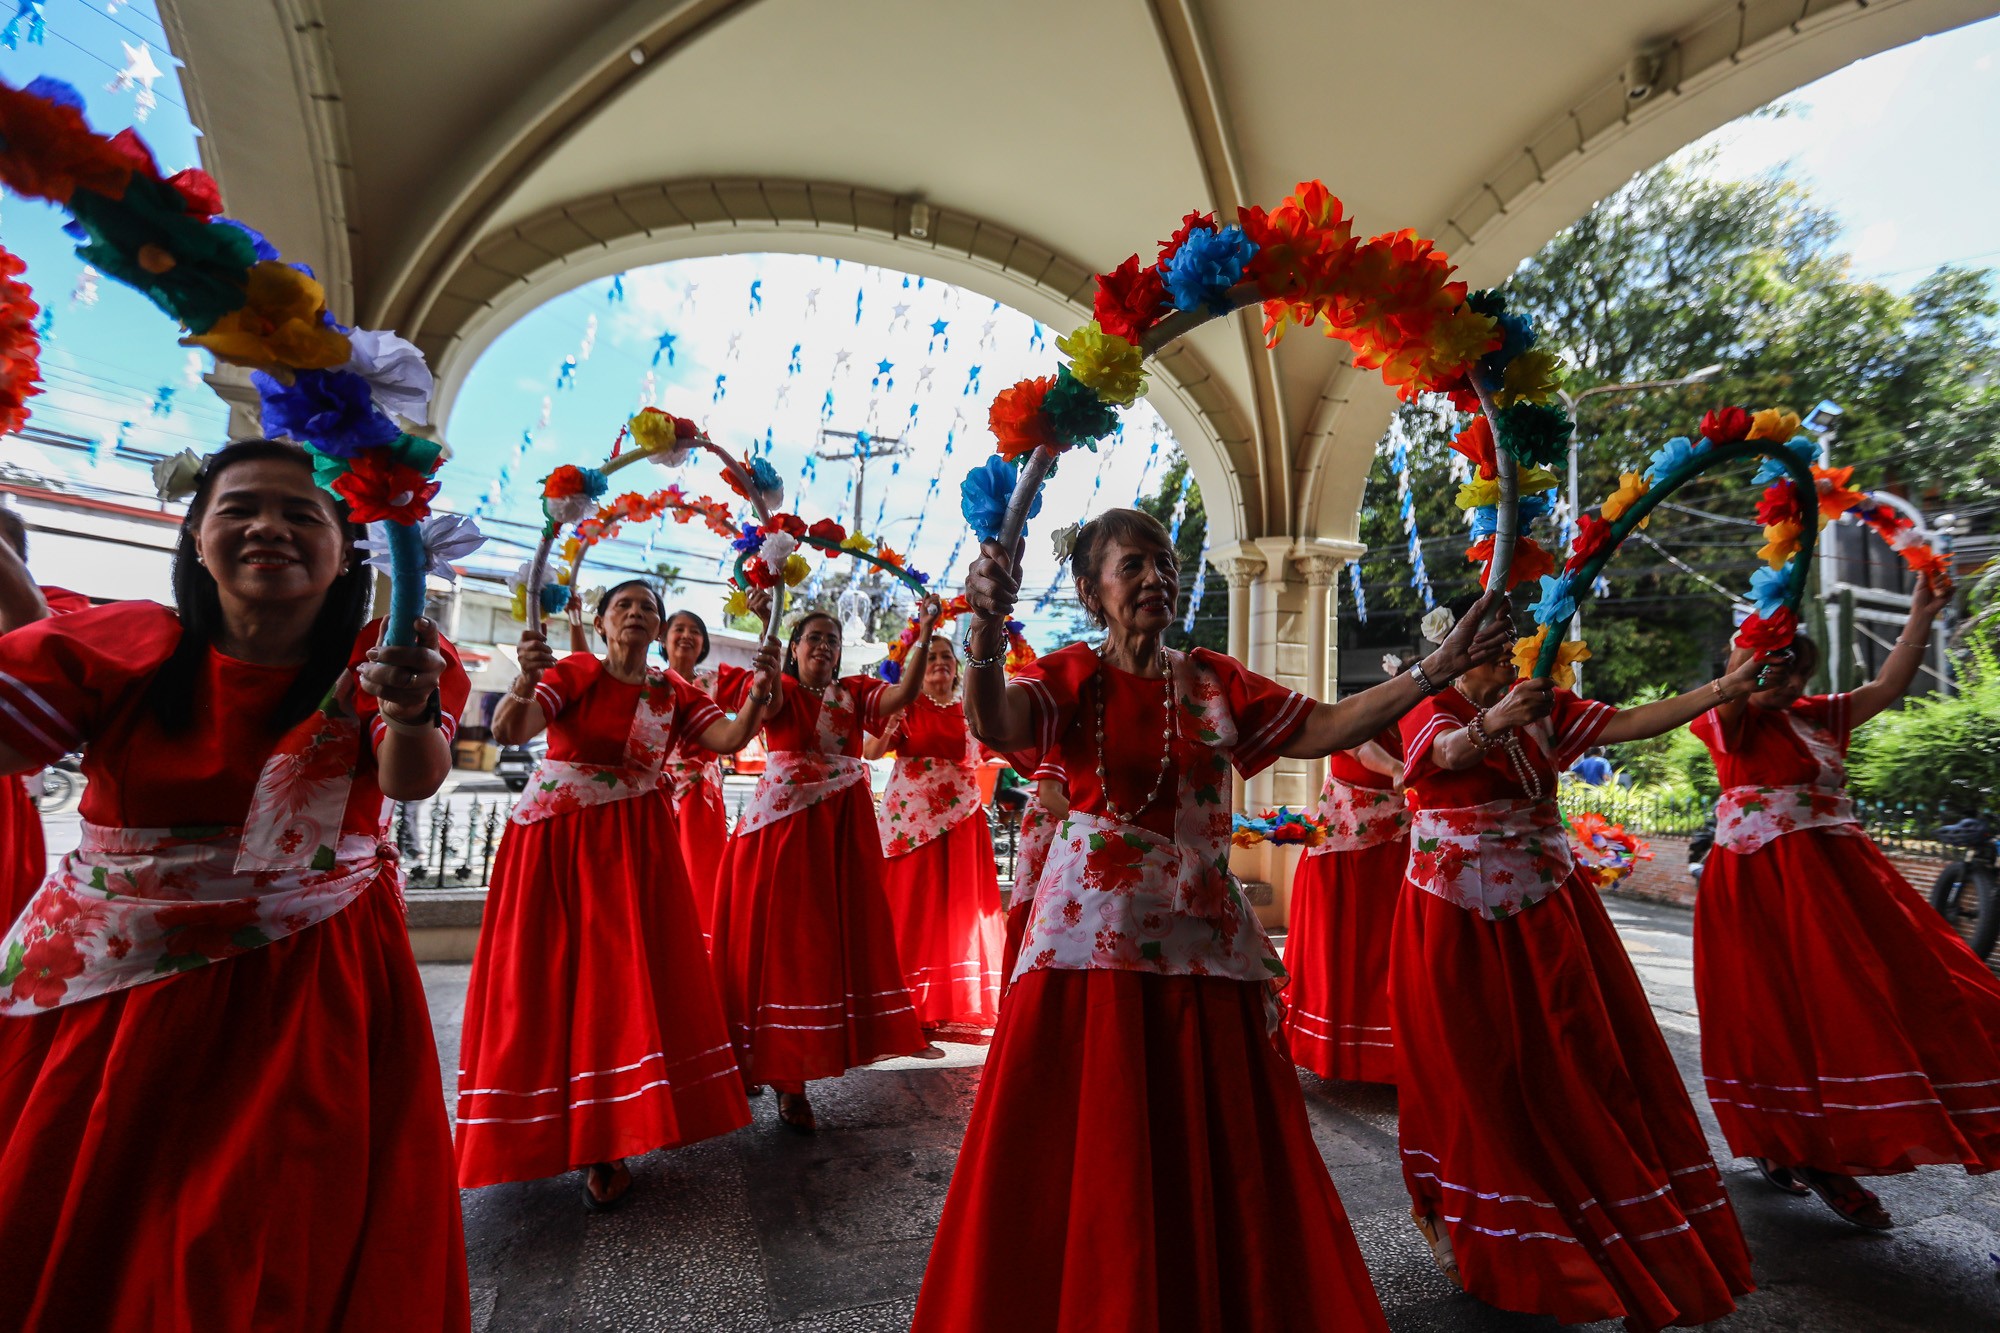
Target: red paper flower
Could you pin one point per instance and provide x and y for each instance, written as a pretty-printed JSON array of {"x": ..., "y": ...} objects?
[
  {"x": 1726, "y": 425},
  {"x": 1130, "y": 300},
  {"x": 826, "y": 530},
  {"x": 888, "y": 557},
  {"x": 1191, "y": 223},
  {"x": 1592, "y": 535},
  {"x": 787, "y": 523},
  {"x": 565, "y": 481},
  {"x": 50, "y": 152},
  {"x": 1779, "y": 503},
  {"x": 378, "y": 489},
  {"x": 20, "y": 349},
  {"x": 1016, "y": 418},
  {"x": 1531, "y": 561},
  {"x": 1772, "y": 634},
  {"x": 1476, "y": 443}
]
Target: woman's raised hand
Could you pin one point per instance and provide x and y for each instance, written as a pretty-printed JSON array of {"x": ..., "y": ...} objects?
[
  {"x": 1474, "y": 641},
  {"x": 993, "y": 584},
  {"x": 927, "y": 616},
  {"x": 534, "y": 655},
  {"x": 764, "y": 670},
  {"x": 404, "y": 679},
  {"x": 760, "y": 603},
  {"x": 1528, "y": 701}
]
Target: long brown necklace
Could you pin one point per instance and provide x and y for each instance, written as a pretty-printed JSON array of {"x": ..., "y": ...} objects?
[{"x": 1166, "y": 750}]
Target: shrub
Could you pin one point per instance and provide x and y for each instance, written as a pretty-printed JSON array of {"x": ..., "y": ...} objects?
[{"x": 1942, "y": 750}]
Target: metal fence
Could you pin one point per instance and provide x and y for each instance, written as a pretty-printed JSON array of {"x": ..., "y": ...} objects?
[{"x": 1905, "y": 828}]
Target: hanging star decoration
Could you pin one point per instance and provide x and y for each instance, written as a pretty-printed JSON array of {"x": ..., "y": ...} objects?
[
  {"x": 140, "y": 72},
  {"x": 85, "y": 290},
  {"x": 28, "y": 23},
  {"x": 665, "y": 347}
]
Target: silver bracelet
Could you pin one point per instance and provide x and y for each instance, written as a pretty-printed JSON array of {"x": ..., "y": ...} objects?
[
  {"x": 1425, "y": 684},
  {"x": 992, "y": 661}
]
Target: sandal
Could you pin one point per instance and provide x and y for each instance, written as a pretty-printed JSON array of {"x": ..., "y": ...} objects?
[
  {"x": 1781, "y": 1178},
  {"x": 1855, "y": 1205},
  {"x": 1439, "y": 1240},
  {"x": 795, "y": 1113},
  {"x": 611, "y": 1170}
]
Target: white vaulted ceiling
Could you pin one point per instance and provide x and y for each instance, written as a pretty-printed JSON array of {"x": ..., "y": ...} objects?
[{"x": 449, "y": 164}]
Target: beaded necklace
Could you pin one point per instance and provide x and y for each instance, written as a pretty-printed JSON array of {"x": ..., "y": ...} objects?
[
  {"x": 1510, "y": 745},
  {"x": 1166, "y": 750}
]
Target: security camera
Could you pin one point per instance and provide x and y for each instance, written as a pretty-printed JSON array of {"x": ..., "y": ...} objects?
[{"x": 1640, "y": 73}]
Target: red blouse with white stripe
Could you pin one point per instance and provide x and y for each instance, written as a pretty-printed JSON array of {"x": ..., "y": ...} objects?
[
  {"x": 797, "y": 727},
  {"x": 1062, "y": 689},
  {"x": 1762, "y": 749},
  {"x": 590, "y": 711},
  {"x": 1345, "y": 766},
  {"x": 1550, "y": 746},
  {"x": 79, "y": 681}
]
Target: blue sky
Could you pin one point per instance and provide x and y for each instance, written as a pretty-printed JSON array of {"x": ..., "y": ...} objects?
[{"x": 1901, "y": 146}]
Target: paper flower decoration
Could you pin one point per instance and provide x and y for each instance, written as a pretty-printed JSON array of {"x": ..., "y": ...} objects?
[
  {"x": 174, "y": 476},
  {"x": 1726, "y": 425},
  {"x": 1074, "y": 413},
  {"x": 1436, "y": 624},
  {"x": 1632, "y": 487},
  {"x": 666, "y": 439},
  {"x": 1569, "y": 652},
  {"x": 379, "y": 489},
  {"x": 1557, "y": 603},
  {"x": 737, "y": 603},
  {"x": 1063, "y": 541},
  {"x": 1531, "y": 377},
  {"x": 1016, "y": 419},
  {"x": 1205, "y": 266},
  {"x": 1671, "y": 457},
  {"x": 1774, "y": 423},
  {"x": 1781, "y": 543},
  {"x": 571, "y": 492},
  {"x": 395, "y": 372},
  {"x": 1112, "y": 367},
  {"x": 554, "y": 598},
  {"x": 332, "y": 410},
  {"x": 281, "y": 325},
  {"x": 1535, "y": 433},
  {"x": 1769, "y": 634},
  {"x": 1593, "y": 534},
  {"x": 1130, "y": 300},
  {"x": 447, "y": 538},
  {"x": 984, "y": 493},
  {"x": 1768, "y": 589}
]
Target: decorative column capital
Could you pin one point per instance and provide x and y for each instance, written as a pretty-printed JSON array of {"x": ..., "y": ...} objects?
[
  {"x": 246, "y": 407},
  {"x": 1242, "y": 564}
]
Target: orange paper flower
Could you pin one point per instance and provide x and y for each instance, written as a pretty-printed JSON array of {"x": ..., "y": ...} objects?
[{"x": 1016, "y": 419}]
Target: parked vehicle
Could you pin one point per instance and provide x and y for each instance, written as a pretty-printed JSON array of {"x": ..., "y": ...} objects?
[
  {"x": 61, "y": 785},
  {"x": 1967, "y": 887},
  {"x": 517, "y": 763}
]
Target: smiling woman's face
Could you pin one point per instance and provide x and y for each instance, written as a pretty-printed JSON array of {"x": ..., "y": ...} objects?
[
  {"x": 1137, "y": 583},
  {"x": 269, "y": 534}
]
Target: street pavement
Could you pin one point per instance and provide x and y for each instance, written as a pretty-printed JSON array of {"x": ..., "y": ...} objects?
[{"x": 766, "y": 1230}]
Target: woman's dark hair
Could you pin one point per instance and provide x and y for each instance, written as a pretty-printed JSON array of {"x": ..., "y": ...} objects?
[
  {"x": 698, "y": 622},
  {"x": 329, "y": 642},
  {"x": 659, "y": 603},
  {"x": 798, "y": 632},
  {"x": 1134, "y": 527},
  {"x": 1805, "y": 655}
]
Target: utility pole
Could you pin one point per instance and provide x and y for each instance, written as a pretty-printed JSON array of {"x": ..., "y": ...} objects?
[{"x": 861, "y": 449}]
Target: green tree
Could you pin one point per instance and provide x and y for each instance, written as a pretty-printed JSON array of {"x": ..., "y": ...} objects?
[
  {"x": 1680, "y": 270},
  {"x": 1211, "y": 619}
]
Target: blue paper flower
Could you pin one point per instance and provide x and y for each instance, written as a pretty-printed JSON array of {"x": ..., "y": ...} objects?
[
  {"x": 1536, "y": 507},
  {"x": 1206, "y": 266},
  {"x": 1485, "y": 522},
  {"x": 1802, "y": 447},
  {"x": 1557, "y": 603},
  {"x": 752, "y": 538},
  {"x": 55, "y": 90},
  {"x": 1672, "y": 456},
  {"x": 595, "y": 483},
  {"x": 1769, "y": 588},
  {"x": 332, "y": 410},
  {"x": 764, "y": 476},
  {"x": 555, "y": 597},
  {"x": 1517, "y": 333},
  {"x": 983, "y": 496},
  {"x": 889, "y": 671},
  {"x": 258, "y": 245}
]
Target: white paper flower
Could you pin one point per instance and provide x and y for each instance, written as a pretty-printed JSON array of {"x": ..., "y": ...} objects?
[
  {"x": 1064, "y": 541},
  {"x": 518, "y": 580},
  {"x": 174, "y": 478},
  {"x": 776, "y": 550},
  {"x": 395, "y": 370},
  {"x": 1437, "y": 623},
  {"x": 446, "y": 538},
  {"x": 566, "y": 509},
  {"x": 1392, "y": 664},
  {"x": 674, "y": 457}
]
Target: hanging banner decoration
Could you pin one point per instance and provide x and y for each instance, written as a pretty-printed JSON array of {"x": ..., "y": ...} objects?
[
  {"x": 332, "y": 389},
  {"x": 632, "y": 507},
  {"x": 1360, "y": 598},
  {"x": 1391, "y": 298}
]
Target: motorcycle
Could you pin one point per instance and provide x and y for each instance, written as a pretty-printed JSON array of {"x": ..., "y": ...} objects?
[
  {"x": 61, "y": 786},
  {"x": 1967, "y": 886}
]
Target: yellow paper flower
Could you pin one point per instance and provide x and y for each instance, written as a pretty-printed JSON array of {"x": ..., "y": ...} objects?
[
  {"x": 278, "y": 327},
  {"x": 520, "y": 604},
  {"x": 1113, "y": 368},
  {"x": 652, "y": 431},
  {"x": 1478, "y": 492},
  {"x": 1531, "y": 377},
  {"x": 736, "y": 604},
  {"x": 1631, "y": 487},
  {"x": 857, "y": 541},
  {"x": 1528, "y": 651},
  {"x": 1535, "y": 480},
  {"x": 1461, "y": 336},
  {"x": 797, "y": 570},
  {"x": 1774, "y": 423},
  {"x": 1781, "y": 542},
  {"x": 571, "y": 549}
]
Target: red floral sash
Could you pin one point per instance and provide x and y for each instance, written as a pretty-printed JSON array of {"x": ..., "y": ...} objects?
[
  {"x": 1357, "y": 818},
  {"x": 795, "y": 780},
  {"x": 133, "y": 905},
  {"x": 1749, "y": 818},
  {"x": 560, "y": 787},
  {"x": 926, "y": 799},
  {"x": 1495, "y": 859},
  {"x": 691, "y": 766}
]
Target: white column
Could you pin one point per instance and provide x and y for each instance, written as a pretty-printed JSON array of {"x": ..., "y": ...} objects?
[
  {"x": 1242, "y": 566},
  {"x": 1319, "y": 569}
]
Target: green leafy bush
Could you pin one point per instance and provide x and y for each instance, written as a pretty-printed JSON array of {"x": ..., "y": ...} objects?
[
  {"x": 1670, "y": 766},
  {"x": 1938, "y": 750}
]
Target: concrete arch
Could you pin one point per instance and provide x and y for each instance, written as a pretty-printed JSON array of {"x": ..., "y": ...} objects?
[{"x": 515, "y": 272}]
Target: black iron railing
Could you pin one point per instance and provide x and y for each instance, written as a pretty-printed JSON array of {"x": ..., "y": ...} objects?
[{"x": 455, "y": 850}]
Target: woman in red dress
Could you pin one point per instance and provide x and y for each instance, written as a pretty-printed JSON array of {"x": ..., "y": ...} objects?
[
  {"x": 23, "y": 854},
  {"x": 1343, "y": 908},
  {"x": 1139, "y": 1118},
  {"x": 1845, "y": 1029},
  {"x": 804, "y": 946},
  {"x": 218, "y": 1089},
  {"x": 694, "y": 773},
  {"x": 1048, "y": 806},
  {"x": 942, "y": 885},
  {"x": 593, "y": 1031},
  {"x": 1549, "y": 1146}
]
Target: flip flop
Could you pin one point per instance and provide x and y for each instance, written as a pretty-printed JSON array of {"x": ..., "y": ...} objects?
[
  {"x": 1858, "y": 1207},
  {"x": 616, "y": 1201},
  {"x": 1440, "y": 1242},
  {"x": 795, "y": 1113},
  {"x": 1781, "y": 1178}
]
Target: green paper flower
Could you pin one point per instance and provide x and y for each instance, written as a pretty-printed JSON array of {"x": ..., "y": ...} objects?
[{"x": 1074, "y": 413}]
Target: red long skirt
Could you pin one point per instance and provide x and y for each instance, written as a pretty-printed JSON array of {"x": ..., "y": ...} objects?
[
  {"x": 704, "y": 830},
  {"x": 805, "y": 948},
  {"x": 1139, "y": 1159},
  {"x": 945, "y": 898},
  {"x": 258, "y": 1143},
  {"x": 592, "y": 1026},
  {"x": 1337, "y": 950},
  {"x": 24, "y": 861},
  {"x": 1543, "y": 1118},
  {"x": 1844, "y": 1025},
  {"x": 1018, "y": 912}
]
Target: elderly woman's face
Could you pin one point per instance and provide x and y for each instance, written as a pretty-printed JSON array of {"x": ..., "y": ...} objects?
[{"x": 1137, "y": 584}]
